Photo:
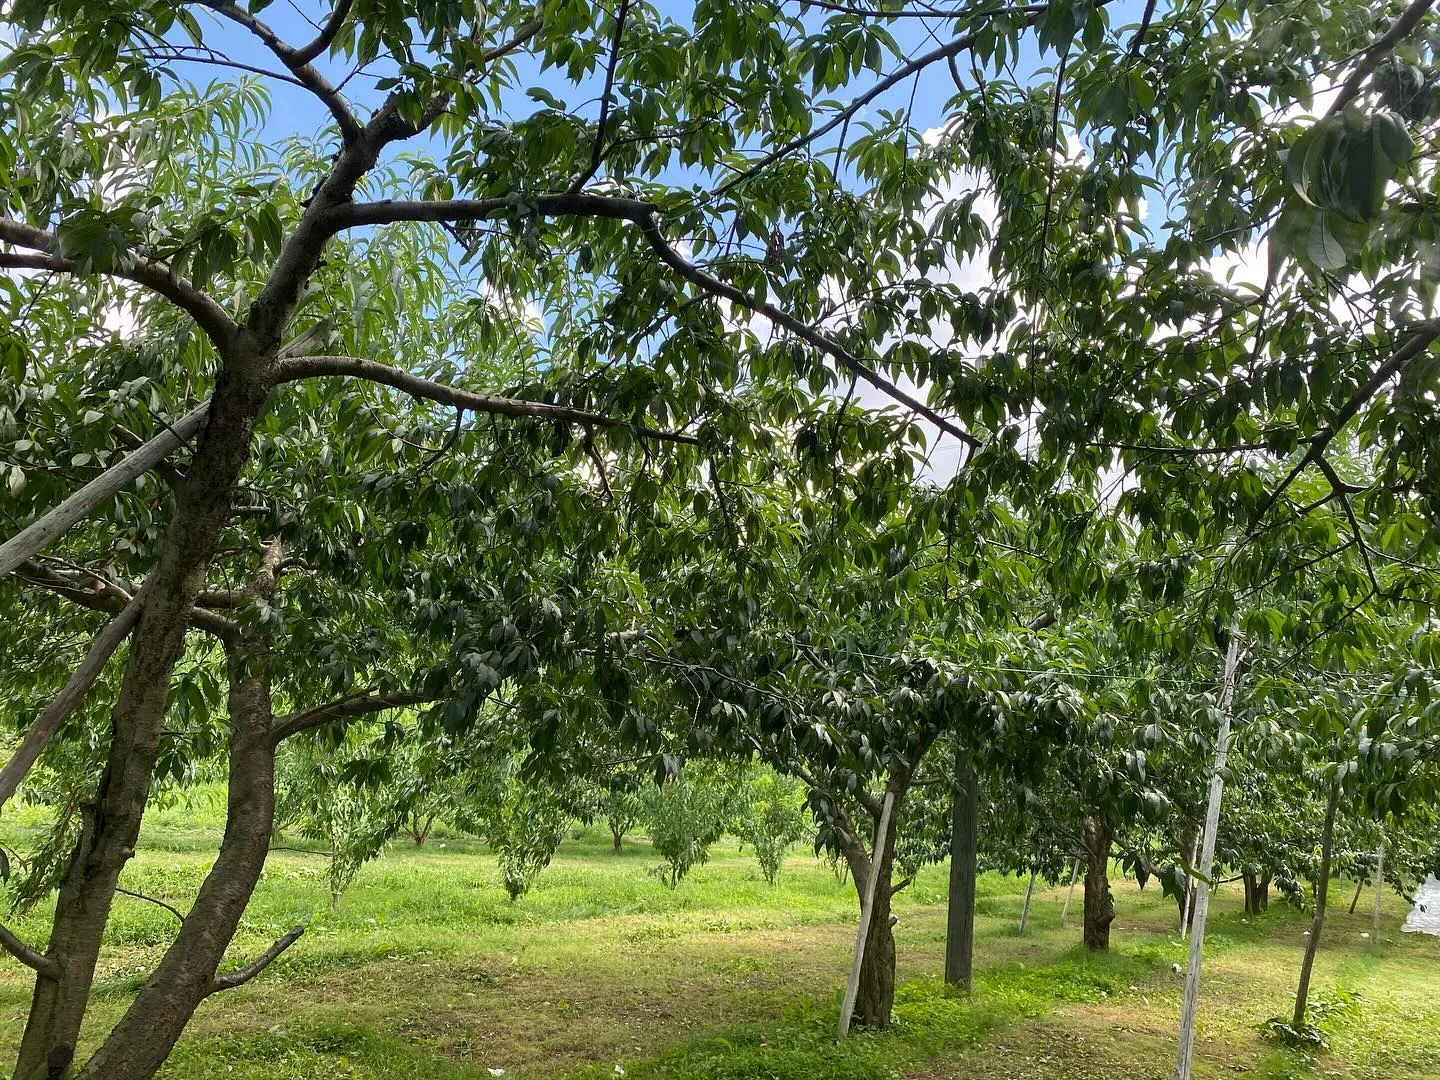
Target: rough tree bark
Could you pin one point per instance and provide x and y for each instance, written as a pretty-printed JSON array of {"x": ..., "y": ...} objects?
[
  {"x": 1322, "y": 888},
  {"x": 960, "y": 926},
  {"x": 112, "y": 819},
  {"x": 203, "y": 505},
  {"x": 1257, "y": 891},
  {"x": 1099, "y": 904},
  {"x": 143, "y": 1038},
  {"x": 876, "y": 995}
]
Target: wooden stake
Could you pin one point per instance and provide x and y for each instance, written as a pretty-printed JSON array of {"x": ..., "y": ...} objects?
[
  {"x": 877, "y": 858},
  {"x": 1187, "y": 913},
  {"x": 43, "y": 532},
  {"x": 1029, "y": 892},
  {"x": 1379, "y": 888},
  {"x": 1065, "y": 910},
  {"x": 1186, "y": 1050}
]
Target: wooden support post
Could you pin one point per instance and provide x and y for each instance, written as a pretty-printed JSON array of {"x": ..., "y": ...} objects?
[
  {"x": 44, "y": 531},
  {"x": 964, "y": 832},
  {"x": 1379, "y": 888},
  {"x": 1029, "y": 892},
  {"x": 877, "y": 859},
  {"x": 1186, "y": 1051},
  {"x": 1187, "y": 909},
  {"x": 1065, "y": 909}
]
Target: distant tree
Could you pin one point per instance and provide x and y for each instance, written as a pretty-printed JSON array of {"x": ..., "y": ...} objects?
[{"x": 772, "y": 816}]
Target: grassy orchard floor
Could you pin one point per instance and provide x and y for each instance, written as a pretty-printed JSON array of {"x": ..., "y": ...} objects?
[{"x": 425, "y": 970}]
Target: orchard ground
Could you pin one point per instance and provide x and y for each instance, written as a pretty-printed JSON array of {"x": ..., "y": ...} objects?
[{"x": 425, "y": 970}]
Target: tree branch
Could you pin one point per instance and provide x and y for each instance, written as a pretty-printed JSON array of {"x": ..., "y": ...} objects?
[
  {"x": 156, "y": 277},
  {"x": 597, "y": 154},
  {"x": 943, "y": 52},
  {"x": 64, "y": 703},
  {"x": 296, "y": 63},
  {"x": 1378, "y": 49},
  {"x": 1413, "y": 346},
  {"x": 232, "y": 979},
  {"x": 713, "y": 285},
  {"x": 282, "y": 727},
  {"x": 310, "y": 367},
  {"x": 328, "y": 32},
  {"x": 101, "y": 594},
  {"x": 646, "y": 216},
  {"x": 37, "y": 961}
]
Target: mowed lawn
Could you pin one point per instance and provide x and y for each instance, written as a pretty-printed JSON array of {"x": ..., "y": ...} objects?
[{"x": 426, "y": 970}]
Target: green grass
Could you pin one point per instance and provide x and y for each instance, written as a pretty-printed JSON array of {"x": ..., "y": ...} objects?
[{"x": 425, "y": 970}]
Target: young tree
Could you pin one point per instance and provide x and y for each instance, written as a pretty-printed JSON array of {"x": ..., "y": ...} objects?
[{"x": 771, "y": 818}]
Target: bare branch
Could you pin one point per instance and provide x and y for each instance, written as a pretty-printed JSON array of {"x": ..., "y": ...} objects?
[
  {"x": 310, "y": 367},
  {"x": 299, "y": 65},
  {"x": 152, "y": 900},
  {"x": 328, "y": 32},
  {"x": 157, "y": 277},
  {"x": 37, "y": 961},
  {"x": 345, "y": 708},
  {"x": 232, "y": 979},
  {"x": 597, "y": 153},
  {"x": 1378, "y": 49}
]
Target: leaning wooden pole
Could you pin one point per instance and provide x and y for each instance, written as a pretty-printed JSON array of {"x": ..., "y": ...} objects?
[
  {"x": 44, "y": 531},
  {"x": 1074, "y": 876},
  {"x": 1186, "y": 1051},
  {"x": 862, "y": 935},
  {"x": 1029, "y": 893},
  {"x": 1379, "y": 888},
  {"x": 83, "y": 677}
]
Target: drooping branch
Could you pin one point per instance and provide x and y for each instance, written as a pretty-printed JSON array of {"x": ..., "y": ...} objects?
[
  {"x": 32, "y": 959},
  {"x": 232, "y": 979},
  {"x": 343, "y": 709},
  {"x": 152, "y": 900},
  {"x": 298, "y": 62},
  {"x": 1378, "y": 49},
  {"x": 157, "y": 277},
  {"x": 44, "y": 531},
  {"x": 646, "y": 216},
  {"x": 895, "y": 78},
  {"x": 852, "y": 363},
  {"x": 310, "y": 367},
  {"x": 81, "y": 679}
]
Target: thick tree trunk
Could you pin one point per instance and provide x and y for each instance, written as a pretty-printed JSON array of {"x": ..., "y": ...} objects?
[
  {"x": 1099, "y": 904},
  {"x": 1322, "y": 888},
  {"x": 617, "y": 834},
  {"x": 960, "y": 924},
  {"x": 1253, "y": 903},
  {"x": 112, "y": 820},
  {"x": 143, "y": 1038}
]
